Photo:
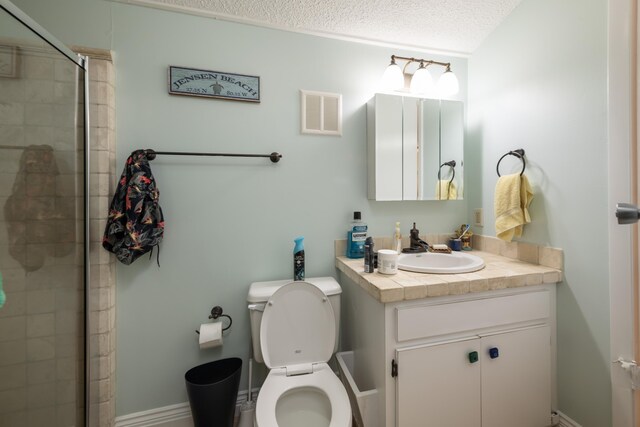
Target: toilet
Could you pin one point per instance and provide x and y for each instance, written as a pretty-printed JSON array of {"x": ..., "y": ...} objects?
[{"x": 294, "y": 330}]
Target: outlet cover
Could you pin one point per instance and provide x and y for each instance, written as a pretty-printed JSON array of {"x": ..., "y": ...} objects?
[{"x": 477, "y": 217}]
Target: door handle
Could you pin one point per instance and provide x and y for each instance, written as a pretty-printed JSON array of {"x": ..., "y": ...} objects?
[{"x": 627, "y": 213}]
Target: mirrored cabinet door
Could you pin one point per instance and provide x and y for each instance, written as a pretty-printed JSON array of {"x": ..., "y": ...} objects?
[
  {"x": 414, "y": 148},
  {"x": 384, "y": 155},
  {"x": 428, "y": 148},
  {"x": 451, "y": 150}
]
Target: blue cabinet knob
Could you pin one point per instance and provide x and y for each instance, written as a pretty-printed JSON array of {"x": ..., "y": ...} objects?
[{"x": 494, "y": 353}]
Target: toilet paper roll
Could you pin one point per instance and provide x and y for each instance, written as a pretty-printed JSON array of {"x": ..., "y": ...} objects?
[{"x": 210, "y": 335}]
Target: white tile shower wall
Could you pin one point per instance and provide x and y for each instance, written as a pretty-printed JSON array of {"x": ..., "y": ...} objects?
[
  {"x": 41, "y": 326},
  {"x": 103, "y": 284}
]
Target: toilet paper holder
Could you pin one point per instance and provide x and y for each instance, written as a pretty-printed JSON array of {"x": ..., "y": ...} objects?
[{"x": 216, "y": 312}]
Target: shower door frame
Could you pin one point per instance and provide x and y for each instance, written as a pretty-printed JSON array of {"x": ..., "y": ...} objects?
[{"x": 81, "y": 61}]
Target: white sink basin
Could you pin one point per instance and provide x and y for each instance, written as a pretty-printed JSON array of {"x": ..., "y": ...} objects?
[{"x": 455, "y": 262}]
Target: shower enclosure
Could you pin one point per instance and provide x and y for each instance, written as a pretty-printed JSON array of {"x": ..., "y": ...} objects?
[{"x": 44, "y": 249}]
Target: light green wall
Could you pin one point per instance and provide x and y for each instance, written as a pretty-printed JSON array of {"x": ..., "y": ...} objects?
[
  {"x": 539, "y": 82},
  {"x": 73, "y": 22},
  {"x": 231, "y": 222}
]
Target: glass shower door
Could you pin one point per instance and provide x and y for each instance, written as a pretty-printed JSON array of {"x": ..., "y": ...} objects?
[{"x": 42, "y": 178}]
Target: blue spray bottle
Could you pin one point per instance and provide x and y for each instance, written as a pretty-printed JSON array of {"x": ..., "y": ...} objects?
[{"x": 298, "y": 259}]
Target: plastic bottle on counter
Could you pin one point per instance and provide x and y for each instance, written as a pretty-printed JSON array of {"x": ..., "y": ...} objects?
[
  {"x": 356, "y": 236},
  {"x": 397, "y": 239},
  {"x": 368, "y": 255}
]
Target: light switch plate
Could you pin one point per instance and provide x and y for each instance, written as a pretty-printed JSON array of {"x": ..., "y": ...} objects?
[{"x": 477, "y": 217}]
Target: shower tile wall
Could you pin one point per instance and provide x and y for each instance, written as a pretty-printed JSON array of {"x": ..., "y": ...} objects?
[
  {"x": 40, "y": 243},
  {"x": 103, "y": 284},
  {"x": 41, "y": 325}
]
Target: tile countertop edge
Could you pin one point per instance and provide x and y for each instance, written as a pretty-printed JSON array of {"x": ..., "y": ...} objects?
[{"x": 500, "y": 272}]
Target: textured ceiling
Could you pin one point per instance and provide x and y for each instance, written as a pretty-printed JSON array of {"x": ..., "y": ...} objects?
[{"x": 444, "y": 25}]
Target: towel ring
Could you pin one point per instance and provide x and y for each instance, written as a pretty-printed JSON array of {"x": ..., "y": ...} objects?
[
  {"x": 452, "y": 165},
  {"x": 518, "y": 153}
]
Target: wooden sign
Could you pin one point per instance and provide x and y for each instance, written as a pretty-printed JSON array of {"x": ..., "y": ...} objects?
[{"x": 213, "y": 84}]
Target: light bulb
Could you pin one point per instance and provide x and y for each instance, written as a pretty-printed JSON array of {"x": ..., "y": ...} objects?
[
  {"x": 448, "y": 84},
  {"x": 421, "y": 82},
  {"x": 393, "y": 79}
]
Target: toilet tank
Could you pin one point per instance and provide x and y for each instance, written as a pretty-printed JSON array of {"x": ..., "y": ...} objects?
[{"x": 260, "y": 292}]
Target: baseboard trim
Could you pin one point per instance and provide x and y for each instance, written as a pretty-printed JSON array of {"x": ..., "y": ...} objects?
[
  {"x": 565, "y": 421},
  {"x": 178, "y": 415},
  {"x": 156, "y": 417}
]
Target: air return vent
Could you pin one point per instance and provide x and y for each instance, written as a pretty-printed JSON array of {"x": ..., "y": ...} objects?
[{"x": 321, "y": 113}]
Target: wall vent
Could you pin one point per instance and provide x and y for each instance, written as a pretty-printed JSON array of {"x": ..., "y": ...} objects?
[{"x": 321, "y": 113}]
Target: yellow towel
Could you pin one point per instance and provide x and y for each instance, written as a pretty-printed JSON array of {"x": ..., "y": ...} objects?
[
  {"x": 512, "y": 199},
  {"x": 446, "y": 190}
]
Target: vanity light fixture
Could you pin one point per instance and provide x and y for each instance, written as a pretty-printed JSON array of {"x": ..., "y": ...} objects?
[
  {"x": 448, "y": 83},
  {"x": 422, "y": 81},
  {"x": 393, "y": 77}
]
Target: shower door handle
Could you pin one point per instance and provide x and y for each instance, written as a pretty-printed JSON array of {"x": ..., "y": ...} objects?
[{"x": 627, "y": 213}]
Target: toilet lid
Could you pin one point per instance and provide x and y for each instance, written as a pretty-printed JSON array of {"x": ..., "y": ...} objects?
[{"x": 298, "y": 326}]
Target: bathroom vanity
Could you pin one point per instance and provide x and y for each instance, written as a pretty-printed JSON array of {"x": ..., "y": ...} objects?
[{"x": 474, "y": 349}]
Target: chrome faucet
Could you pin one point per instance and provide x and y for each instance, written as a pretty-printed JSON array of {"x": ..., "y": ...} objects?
[{"x": 416, "y": 244}]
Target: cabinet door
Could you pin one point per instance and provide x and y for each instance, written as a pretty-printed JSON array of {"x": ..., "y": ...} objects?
[
  {"x": 438, "y": 386},
  {"x": 452, "y": 141},
  {"x": 516, "y": 385},
  {"x": 385, "y": 147},
  {"x": 428, "y": 148},
  {"x": 405, "y": 136},
  {"x": 410, "y": 132}
]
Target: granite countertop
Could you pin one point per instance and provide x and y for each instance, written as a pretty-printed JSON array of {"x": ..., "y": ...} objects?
[{"x": 500, "y": 272}]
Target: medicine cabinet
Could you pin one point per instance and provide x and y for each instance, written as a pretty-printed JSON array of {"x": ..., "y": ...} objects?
[{"x": 414, "y": 148}]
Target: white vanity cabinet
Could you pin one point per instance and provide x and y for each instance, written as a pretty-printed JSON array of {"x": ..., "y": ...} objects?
[
  {"x": 500, "y": 380},
  {"x": 485, "y": 359},
  {"x": 438, "y": 386}
]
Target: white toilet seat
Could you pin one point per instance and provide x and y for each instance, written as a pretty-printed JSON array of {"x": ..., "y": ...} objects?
[{"x": 322, "y": 378}]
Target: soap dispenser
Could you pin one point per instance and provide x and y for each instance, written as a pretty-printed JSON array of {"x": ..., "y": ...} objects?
[{"x": 397, "y": 239}]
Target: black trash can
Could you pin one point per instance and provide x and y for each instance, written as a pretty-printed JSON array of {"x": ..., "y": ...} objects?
[{"x": 213, "y": 391}]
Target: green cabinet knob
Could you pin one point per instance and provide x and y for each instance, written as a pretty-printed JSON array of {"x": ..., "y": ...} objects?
[{"x": 473, "y": 357}]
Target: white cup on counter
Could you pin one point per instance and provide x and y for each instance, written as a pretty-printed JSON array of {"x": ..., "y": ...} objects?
[{"x": 387, "y": 261}]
